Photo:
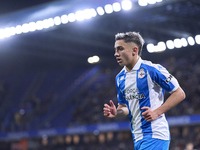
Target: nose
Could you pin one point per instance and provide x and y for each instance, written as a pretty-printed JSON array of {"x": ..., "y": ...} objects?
[{"x": 116, "y": 54}]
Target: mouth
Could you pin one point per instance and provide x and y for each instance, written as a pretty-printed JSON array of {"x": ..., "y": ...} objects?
[{"x": 119, "y": 60}]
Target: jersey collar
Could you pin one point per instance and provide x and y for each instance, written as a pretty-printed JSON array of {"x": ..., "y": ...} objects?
[{"x": 137, "y": 65}]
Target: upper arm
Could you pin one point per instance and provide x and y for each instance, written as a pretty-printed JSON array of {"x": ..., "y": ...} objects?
[{"x": 163, "y": 78}]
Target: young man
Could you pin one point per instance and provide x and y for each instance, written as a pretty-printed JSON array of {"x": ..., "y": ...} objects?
[{"x": 140, "y": 88}]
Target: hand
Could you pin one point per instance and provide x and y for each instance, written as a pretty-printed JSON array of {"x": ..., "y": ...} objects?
[
  {"x": 149, "y": 114},
  {"x": 110, "y": 111}
]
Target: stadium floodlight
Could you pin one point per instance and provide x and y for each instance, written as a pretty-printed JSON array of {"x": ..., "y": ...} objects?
[
  {"x": 142, "y": 2},
  {"x": 93, "y": 59},
  {"x": 2, "y": 33},
  {"x": 46, "y": 23},
  {"x": 87, "y": 13},
  {"x": 51, "y": 22},
  {"x": 57, "y": 20},
  {"x": 116, "y": 6},
  {"x": 25, "y": 28},
  {"x": 71, "y": 17},
  {"x": 191, "y": 41},
  {"x": 32, "y": 26},
  {"x": 177, "y": 43},
  {"x": 18, "y": 29},
  {"x": 197, "y": 39},
  {"x": 150, "y": 48},
  {"x": 79, "y": 15},
  {"x": 126, "y": 4},
  {"x": 170, "y": 44},
  {"x": 184, "y": 42},
  {"x": 151, "y": 1},
  {"x": 161, "y": 46},
  {"x": 39, "y": 25},
  {"x": 93, "y": 12},
  {"x": 64, "y": 19},
  {"x": 12, "y": 31},
  {"x": 100, "y": 11},
  {"x": 108, "y": 8}
]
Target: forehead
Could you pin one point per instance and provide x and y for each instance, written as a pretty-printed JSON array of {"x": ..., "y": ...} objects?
[{"x": 119, "y": 43}]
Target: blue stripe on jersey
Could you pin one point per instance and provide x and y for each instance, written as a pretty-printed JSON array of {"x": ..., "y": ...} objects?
[
  {"x": 142, "y": 85},
  {"x": 121, "y": 95},
  {"x": 159, "y": 78}
]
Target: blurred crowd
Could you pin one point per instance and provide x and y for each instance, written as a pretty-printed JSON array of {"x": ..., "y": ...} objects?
[
  {"x": 88, "y": 105},
  {"x": 182, "y": 138}
]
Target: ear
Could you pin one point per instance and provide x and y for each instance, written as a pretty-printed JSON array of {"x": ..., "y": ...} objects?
[{"x": 135, "y": 50}]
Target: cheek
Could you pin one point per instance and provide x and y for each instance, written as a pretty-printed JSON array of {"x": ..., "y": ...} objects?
[{"x": 126, "y": 57}]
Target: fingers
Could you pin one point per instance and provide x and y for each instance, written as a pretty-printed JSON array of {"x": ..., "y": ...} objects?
[
  {"x": 106, "y": 106},
  {"x": 145, "y": 107},
  {"x": 146, "y": 112},
  {"x": 111, "y": 103}
]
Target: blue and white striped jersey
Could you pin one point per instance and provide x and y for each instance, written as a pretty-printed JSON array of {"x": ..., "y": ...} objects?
[{"x": 145, "y": 85}]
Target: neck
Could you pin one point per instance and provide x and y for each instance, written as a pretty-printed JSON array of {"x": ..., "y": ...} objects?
[{"x": 130, "y": 66}]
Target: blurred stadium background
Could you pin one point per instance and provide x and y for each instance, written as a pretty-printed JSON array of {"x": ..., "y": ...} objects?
[{"x": 58, "y": 69}]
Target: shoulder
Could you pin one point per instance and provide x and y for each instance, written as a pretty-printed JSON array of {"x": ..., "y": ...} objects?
[
  {"x": 120, "y": 76},
  {"x": 152, "y": 66}
]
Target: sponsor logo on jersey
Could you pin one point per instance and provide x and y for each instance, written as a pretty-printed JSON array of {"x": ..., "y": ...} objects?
[
  {"x": 169, "y": 78},
  {"x": 131, "y": 94}
]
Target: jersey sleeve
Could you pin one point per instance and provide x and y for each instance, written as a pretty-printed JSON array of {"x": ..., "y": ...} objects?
[
  {"x": 120, "y": 96},
  {"x": 164, "y": 79}
]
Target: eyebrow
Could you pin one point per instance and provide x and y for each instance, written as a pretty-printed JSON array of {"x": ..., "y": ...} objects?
[{"x": 118, "y": 47}]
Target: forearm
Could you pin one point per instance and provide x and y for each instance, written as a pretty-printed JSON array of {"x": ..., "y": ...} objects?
[
  {"x": 175, "y": 98},
  {"x": 122, "y": 111}
]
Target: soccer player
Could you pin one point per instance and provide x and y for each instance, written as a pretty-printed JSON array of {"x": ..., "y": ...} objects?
[{"x": 140, "y": 92}]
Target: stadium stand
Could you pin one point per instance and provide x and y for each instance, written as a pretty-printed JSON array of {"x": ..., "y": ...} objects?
[{"x": 73, "y": 98}]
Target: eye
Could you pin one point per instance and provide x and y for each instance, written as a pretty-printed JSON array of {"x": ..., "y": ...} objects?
[{"x": 120, "y": 48}]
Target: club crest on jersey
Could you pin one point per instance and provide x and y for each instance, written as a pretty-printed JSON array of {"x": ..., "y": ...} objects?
[{"x": 141, "y": 73}]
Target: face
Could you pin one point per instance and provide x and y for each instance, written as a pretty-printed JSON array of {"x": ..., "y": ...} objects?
[{"x": 125, "y": 53}]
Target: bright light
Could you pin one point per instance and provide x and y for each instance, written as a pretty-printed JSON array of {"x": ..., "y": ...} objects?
[
  {"x": 71, "y": 17},
  {"x": 170, "y": 44},
  {"x": 18, "y": 29},
  {"x": 191, "y": 41},
  {"x": 64, "y": 19},
  {"x": 108, "y": 8},
  {"x": 126, "y": 4},
  {"x": 32, "y": 26},
  {"x": 51, "y": 22},
  {"x": 25, "y": 28},
  {"x": 79, "y": 15},
  {"x": 12, "y": 31},
  {"x": 184, "y": 42},
  {"x": 197, "y": 39},
  {"x": 151, "y": 1},
  {"x": 39, "y": 25},
  {"x": 177, "y": 43},
  {"x": 116, "y": 6},
  {"x": 2, "y": 32},
  {"x": 161, "y": 46},
  {"x": 158, "y": 0},
  {"x": 93, "y": 12},
  {"x": 150, "y": 48},
  {"x": 93, "y": 59},
  {"x": 142, "y": 2},
  {"x": 46, "y": 23},
  {"x": 57, "y": 20},
  {"x": 87, "y": 13},
  {"x": 100, "y": 11}
]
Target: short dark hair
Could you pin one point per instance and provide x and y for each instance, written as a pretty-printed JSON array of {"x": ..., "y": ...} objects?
[{"x": 131, "y": 37}]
